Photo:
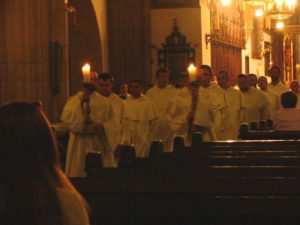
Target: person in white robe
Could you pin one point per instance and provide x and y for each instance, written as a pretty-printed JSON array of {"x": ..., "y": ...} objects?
[
  {"x": 192, "y": 110},
  {"x": 105, "y": 84},
  {"x": 123, "y": 91},
  {"x": 182, "y": 80},
  {"x": 276, "y": 86},
  {"x": 179, "y": 111},
  {"x": 92, "y": 122},
  {"x": 287, "y": 118},
  {"x": 295, "y": 87},
  {"x": 252, "y": 80},
  {"x": 257, "y": 105},
  {"x": 161, "y": 96},
  {"x": 273, "y": 98},
  {"x": 206, "y": 80},
  {"x": 233, "y": 117},
  {"x": 140, "y": 115}
]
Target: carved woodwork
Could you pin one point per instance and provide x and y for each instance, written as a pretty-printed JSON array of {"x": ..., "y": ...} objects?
[
  {"x": 176, "y": 53},
  {"x": 227, "y": 24},
  {"x": 227, "y": 38}
]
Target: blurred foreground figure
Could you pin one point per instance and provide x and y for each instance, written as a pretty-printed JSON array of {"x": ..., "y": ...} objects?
[{"x": 33, "y": 188}]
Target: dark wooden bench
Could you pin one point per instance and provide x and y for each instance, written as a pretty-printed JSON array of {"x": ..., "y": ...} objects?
[
  {"x": 223, "y": 153},
  {"x": 210, "y": 183},
  {"x": 255, "y": 131},
  {"x": 161, "y": 200}
]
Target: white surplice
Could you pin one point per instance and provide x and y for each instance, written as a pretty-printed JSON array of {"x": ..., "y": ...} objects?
[
  {"x": 233, "y": 117},
  {"x": 85, "y": 138},
  {"x": 177, "y": 116},
  {"x": 140, "y": 114},
  {"x": 161, "y": 99},
  {"x": 257, "y": 106},
  {"x": 277, "y": 89},
  {"x": 220, "y": 94},
  {"x": 120, "y": 109},
  {"x": 274, "y": 100},
  {"x": 208, "y": 113}
]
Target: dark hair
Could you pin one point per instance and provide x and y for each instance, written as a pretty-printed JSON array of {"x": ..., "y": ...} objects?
[
  {"x": 105, "y": 76},
  {"x": 29, "y": 169},
  {"x": 275, "y": 68},
  {"x": 244, "y": 76},
  {"x": 252, "y": 75},
  {"x": 288, "y": 99},
  {"x": 161, "y": 70},
  {"x": 89, "y": 86},
  {"x": 208, "y": 68}
]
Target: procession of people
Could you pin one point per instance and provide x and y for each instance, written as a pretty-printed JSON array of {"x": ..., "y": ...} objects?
[{"x": 100, "y": 120}]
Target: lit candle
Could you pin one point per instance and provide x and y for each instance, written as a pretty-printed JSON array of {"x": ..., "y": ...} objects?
[
  {"x": 86, "y": 72},
  {"x": 192, "y": 70}
]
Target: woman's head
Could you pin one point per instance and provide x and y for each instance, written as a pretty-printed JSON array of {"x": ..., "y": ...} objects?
[
  {"x": 30, "y": 174},
  {"x": 28, "y": 147}
]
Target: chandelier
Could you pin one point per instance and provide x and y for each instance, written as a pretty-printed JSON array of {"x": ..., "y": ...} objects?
[
  {"x": 275, "y": 9},
  {"x": 280, "y": 9}
]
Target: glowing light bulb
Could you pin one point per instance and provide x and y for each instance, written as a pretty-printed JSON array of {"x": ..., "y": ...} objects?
[
  {"x": 259, "y": 12},
  {"x": 280, "y": 25},
  {"x": 225, "y": 2}
]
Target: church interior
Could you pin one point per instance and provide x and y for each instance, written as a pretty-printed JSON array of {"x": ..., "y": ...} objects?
[
  {"x": 46, "y": 47},
  {"x": 44, "y": 44}
]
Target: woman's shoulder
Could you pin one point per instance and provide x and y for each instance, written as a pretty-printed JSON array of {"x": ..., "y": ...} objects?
[{"x": 73, "y": 207}]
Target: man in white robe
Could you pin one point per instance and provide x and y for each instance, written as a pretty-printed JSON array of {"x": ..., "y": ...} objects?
[
  {"x": 182, "y": 81},
  {"x": 252, "y": 80},
  {"x": 140, "y": 115},
  {"x": 123, "y": 91},
  {"x": 294, "y": 86},
  {"x": 273, "y": 98},
  {"x": 192, "y": 110},
  {"x": 105, "y": 84},
  {"x": 276, "y": 86},
  {"x": 161, "y": 96},
  {"x": 206, "y": 80},
  {"x": 258, "y": 106},
  {"x": 92, "y": 122},
  {"x": 234, "y": 109}
]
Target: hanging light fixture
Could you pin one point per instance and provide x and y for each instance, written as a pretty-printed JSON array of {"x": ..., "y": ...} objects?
[
  {"x": 275, "y": 9},
  {"x": 281, "y": 9}
]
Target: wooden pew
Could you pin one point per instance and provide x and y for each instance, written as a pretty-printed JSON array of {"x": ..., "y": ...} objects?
[
  {"x": 256, "y": 132},
  {"x": 192, "y": 201},
  {"x": 232, "y": 158},
  {"x": 196, "y": 188}
]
